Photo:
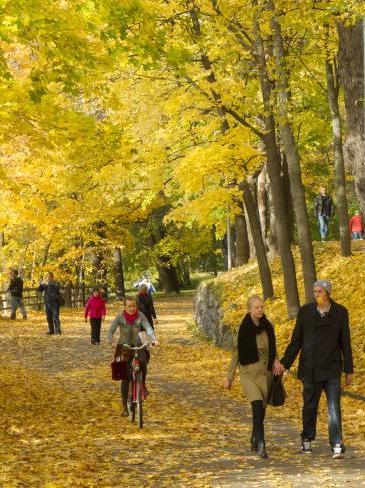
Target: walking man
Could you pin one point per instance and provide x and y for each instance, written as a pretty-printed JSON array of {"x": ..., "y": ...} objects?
[
  {"x": 324, "y": 210},
  {"x": 51, "y": 290},
  {"x": 322, "y": 335},
  {"x": 16, "y": 294}
]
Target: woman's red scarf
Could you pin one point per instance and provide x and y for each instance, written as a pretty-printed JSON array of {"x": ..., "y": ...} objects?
[{"x": 130, "y": 318}]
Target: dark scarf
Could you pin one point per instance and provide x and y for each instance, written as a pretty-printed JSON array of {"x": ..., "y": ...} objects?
[
  {"x": 130, "y": 318},
  {"x": 247, "y": 345}
]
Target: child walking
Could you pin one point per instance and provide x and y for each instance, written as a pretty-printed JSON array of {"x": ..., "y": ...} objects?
[{"x": 95, "y": 309}]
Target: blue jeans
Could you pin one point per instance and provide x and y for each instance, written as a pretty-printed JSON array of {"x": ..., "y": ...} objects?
[
  {"x": 323, "y": 225},
  {"x": 53, "y": 317},
  {"x": 356, "y": 236},
  {"x": 311, "y": 395},
  {"x": 17, "y": 302}
]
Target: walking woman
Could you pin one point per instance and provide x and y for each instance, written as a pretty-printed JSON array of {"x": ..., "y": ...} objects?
[{"x": 255, "y": 354}]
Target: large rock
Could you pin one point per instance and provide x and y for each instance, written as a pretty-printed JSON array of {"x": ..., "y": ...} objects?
[{"x": 209, "y": 316}]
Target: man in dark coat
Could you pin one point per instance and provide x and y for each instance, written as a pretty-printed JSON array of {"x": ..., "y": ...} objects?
[
  {"x": 52, "y": 298},
  {"x": 322, "y": 334},
  {"x": 16, "y": 294},
  {"x": 323, "y": 210}
]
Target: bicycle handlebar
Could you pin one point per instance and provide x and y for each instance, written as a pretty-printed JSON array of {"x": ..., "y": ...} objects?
[{"x": 145, "y": 345}]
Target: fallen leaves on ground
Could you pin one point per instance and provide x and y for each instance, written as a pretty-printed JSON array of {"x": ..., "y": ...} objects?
[{"x": 61, "y": 424}]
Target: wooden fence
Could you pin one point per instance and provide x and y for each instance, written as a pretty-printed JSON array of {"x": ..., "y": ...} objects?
[{"x": 74, "y": 297}]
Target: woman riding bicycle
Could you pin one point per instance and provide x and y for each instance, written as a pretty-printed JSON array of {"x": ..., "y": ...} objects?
[{"x": 131, "y": 323}]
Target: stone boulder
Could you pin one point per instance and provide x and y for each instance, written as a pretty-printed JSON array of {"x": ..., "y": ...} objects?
[{"x": 209, "y": 316}]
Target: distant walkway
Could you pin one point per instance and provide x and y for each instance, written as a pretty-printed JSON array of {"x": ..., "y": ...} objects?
[{"x": 61, "y": 424}]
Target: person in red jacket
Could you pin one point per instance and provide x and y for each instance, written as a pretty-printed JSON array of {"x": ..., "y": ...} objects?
[
  {"x": 356, "y": 226},
  {"x": 95, "y": 309}
]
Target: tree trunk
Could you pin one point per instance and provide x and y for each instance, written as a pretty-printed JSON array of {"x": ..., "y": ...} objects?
[
  {"x": 351, "y": 68},
  {"x": 262, "y": 201},
  {"x": 214, "y": 256},
  {"x": 276, "y": 182},
  {"x": 46, "y": 252},
  {"x": 119, "y": 273},
  {"x": 333, "y": 89},
  {"x": 288, "y": 198},
  {"x": 287, "y": 138},
  {"x": 242, "y": 244},
  {"x": 2, "y": 257},
  {"x": 263, "y": 264},
  {"x": 168, "y": 278},
  {"x": 229, "y": 243},
  {"x": 272, "y": 236}
]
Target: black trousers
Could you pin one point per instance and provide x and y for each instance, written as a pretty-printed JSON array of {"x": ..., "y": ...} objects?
[
  {"x": 311, "y": 395},
  {"x": 95, "y": 330}
]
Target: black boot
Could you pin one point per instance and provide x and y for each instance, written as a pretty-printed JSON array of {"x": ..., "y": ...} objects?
[
  {"x": 258, "y": 414},
  {"x": 253, "y": 442}
]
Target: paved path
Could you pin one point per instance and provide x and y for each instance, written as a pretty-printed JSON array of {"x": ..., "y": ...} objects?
[{"x": 62, "y": 426}]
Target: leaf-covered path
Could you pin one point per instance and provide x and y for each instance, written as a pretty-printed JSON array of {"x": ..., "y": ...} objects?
[{"x": 61, "y": 424}]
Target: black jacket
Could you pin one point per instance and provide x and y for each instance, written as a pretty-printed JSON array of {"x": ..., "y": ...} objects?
[
  {"x": 16, "y": 287},
  {"x": 323, "y": 205},
  {"x": 145, "y": 305},
  {"x": 325, "y": 343},
  {"x": 51, "y": 292}
]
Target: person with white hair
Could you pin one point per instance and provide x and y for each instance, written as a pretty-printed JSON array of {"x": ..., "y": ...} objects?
[
  {"x": 322, "y": 335},
  {"x": 255, "y": 355}
]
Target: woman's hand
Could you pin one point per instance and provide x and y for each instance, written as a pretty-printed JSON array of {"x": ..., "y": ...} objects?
[
  {"x": 227, "y": 384},
  {"x": 277, "y": 368}
]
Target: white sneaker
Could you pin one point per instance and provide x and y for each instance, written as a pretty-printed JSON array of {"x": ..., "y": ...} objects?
[
  {"x": 337, "y": 452},
  {"x": 306, "y": 446}
]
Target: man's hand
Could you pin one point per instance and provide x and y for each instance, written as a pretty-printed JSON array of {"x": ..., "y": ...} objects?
[
  {"x": 277, "y": 368},
  {"x": 348, "y": 379},
  {"x": 155, "y": 343},
  {"x": 227, "y": 384},
  {"x": 85, "y": 319}
]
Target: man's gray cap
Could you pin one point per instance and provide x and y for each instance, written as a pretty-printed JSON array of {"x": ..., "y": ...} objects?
[{"x": 325, "y": 284}]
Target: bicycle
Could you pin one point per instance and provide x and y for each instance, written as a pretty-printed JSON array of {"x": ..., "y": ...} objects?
[{"x": 137, "y": 392}]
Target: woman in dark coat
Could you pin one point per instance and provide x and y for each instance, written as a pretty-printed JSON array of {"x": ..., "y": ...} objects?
[
  {"x": 255, "y": 355},
  {"x": 145, "y": 304}
]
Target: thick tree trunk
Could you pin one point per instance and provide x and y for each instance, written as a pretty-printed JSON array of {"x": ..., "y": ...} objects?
[
  {"x": 167, "y": 276},
  {"x": 242, "y": 244},
  {"x": 276, "y": 182},
  {"x": 287, "y": 197},
  {"x": 119, "y": 273},
  {"x": 287, "y": 138},
  {"x": 264, "y": 268},
  {"x": 351, "y": 68},
  {"x": 333, "y": 89}
]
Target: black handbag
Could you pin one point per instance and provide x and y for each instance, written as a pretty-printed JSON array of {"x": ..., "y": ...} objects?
[{"x": 277, "y": 393}]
